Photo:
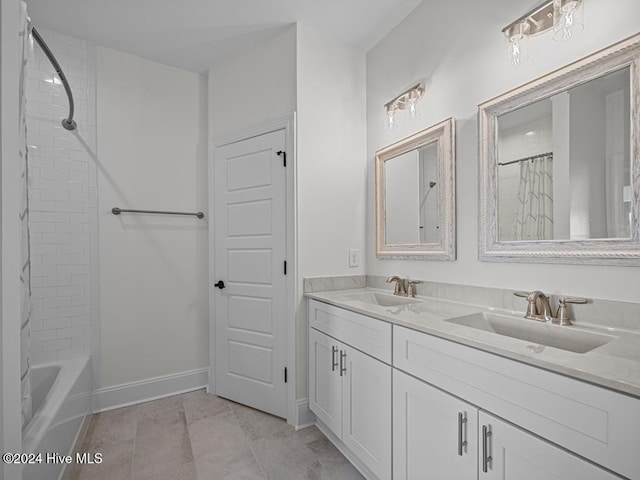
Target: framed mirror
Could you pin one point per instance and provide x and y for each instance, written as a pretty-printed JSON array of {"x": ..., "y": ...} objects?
[
  {"x": 415, "y": 196},
  {"x": 560, "y": 165}
]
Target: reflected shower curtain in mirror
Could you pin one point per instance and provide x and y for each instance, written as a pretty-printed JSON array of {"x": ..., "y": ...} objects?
[
  {"x": 534, "y": 218},
  {"x": 23, "y": 218}
]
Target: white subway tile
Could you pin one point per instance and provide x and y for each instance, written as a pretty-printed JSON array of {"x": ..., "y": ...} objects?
[
  {"x": 40, "y": 227},
  {"x": 81, "y": 320},
  {"x": 71, "y": 207},
  {"x": 42, "y": 314},
  {"x": 68, "y": 228},
  {"x": 54, "y": 195},
  {"x": 80, "y": 300},
  {"x": 53, "y": 152},
  {"x": 43, "y": 292},
  {"x": 56, "y": 259},
  {"x": 57, "y": 302},
  {"x": 70, "y": 270},
  {"x": 43, "y": 335},
  {"x": 54, "y": 238},
  {"x": 72, "y": 311},
  {"x": 70, "y": 249},
  {"x": 43, "y": 357},
  {"x": 42, "y": 206},
  {"x": 57, "y": 280},
  {"x": 55, "y": 217},
  {"x": 70, "y": 291},
  {"x": 55, "y": 323},
  {"x": 53, "y": 345}
]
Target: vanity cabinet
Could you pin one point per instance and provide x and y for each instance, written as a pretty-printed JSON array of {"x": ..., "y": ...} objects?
[
  {"x": 459, "y": 412},
  {"x": 590, "y": 421},
  {"x": 434, "y": 434},
  {"x": 510, "y": 453},
  {"x": 438, "y": 436},
  {"x": 349, "y": 388}
]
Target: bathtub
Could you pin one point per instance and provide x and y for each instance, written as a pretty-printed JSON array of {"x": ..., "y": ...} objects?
[{"x": 61, "y": 399}]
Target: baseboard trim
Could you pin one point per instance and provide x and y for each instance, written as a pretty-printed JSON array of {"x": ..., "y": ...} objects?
[
  {"x": 304, "y": 416},
  {"x": 150, "y": 389}
]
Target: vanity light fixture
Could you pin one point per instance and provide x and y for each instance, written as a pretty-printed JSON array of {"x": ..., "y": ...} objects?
[
  {"x": 564, "y": 16},
  {"x": 407, "y": 100}
]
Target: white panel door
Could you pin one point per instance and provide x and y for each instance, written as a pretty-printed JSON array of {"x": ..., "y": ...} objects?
[
  {"x": 434, "y": 434},
  {"x": 325, "y": 383},
  {"x": 518, "y": 455},
  {"x": 250, "y": 251},
  {"x": 366, "y": 409}
]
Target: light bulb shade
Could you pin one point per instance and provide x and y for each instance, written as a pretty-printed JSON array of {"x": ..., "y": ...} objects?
[
  {"x": 412, "y": 104},
  {"x": 517, "y": 43},
  {"x": 568, "y": 19},
  {"x": 390, "y": 114}
]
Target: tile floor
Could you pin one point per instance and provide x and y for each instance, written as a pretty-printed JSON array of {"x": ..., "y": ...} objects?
[{"x": 196, "y": 436}]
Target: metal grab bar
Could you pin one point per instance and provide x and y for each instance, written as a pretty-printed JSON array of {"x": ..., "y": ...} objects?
[
  {"x": 118, "y": 211},
  {"x": 68, "y": 123}
]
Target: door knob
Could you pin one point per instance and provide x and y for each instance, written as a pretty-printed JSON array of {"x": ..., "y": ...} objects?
[{"x": 219, "y": 285}]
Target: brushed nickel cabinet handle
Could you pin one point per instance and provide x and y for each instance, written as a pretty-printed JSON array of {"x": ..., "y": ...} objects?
[
  {"x": 343, "y": 362},
  {"x": 334, "y": 358},
  {"x": 462, "y": 421},
  {"x": 486, "y": 458}
]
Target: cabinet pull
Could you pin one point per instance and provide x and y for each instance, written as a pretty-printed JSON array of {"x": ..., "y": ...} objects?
[
  {"x": 343, "y": 362},
  {"x": 334, "y": 358},
  {"x": 486, "y": 458},
  {"x": 462, "y": 421}
]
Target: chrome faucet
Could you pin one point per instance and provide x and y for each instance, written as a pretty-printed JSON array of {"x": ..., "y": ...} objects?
[
  {"x": 399, "y": 288},
  {"x": 538, "y": 307}
]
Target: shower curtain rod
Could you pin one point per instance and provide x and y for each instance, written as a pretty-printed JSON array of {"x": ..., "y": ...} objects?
[
  {"x": 68, "y": 123},
  {"x": 533, "y": 157}
]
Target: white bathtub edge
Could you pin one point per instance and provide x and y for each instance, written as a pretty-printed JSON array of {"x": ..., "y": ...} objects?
[
  {"x": 41, "y": 422},
  {"x": 132, "y": 393}
]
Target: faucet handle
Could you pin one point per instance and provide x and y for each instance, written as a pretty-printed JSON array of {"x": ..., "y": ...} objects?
[
  {"x": 411, "y": 288},
  {"x": 563, "y": 309}
]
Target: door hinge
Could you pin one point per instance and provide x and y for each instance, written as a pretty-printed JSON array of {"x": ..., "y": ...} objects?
[
  {"x": 285, "y": 375},
  {"x": 285, "y": 267},
  {"x": 284, "y": 157}
]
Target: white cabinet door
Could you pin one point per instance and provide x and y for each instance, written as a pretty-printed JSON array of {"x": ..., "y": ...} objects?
[
  {"x": 517, "y": 455},
  {"x": 434, "y": 434},
  {"x": 366, "y": 402},
  {"x": 325, "y": 383}
]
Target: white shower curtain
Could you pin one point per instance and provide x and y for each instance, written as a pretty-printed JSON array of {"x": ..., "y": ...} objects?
[
  {"x": 534, "y": 217},
  {"x": 23, "y": 215}
]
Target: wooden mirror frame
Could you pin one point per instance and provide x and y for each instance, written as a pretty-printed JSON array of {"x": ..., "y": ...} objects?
[
  {"x": 596, "y": 251},
  {"x": 444, "y": 134}
]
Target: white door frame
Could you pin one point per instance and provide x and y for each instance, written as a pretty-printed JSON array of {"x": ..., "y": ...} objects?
[{"x": 286, "y": 123}]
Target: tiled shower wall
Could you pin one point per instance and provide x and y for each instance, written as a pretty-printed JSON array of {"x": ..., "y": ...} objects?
[{"x": 62, "y": 201}]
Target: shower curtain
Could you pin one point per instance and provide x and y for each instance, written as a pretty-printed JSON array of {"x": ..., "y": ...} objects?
[
  {"x": 23, "y": 215},
  {"x": 534, "y": 217}
]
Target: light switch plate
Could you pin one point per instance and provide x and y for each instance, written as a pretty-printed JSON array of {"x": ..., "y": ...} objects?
[{"x": 354, "y": 257}]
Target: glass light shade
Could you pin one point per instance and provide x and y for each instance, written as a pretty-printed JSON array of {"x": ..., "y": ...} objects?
[
  {"x": 390, "y": 117},
  {"x": 412, "y": 104},
  {"x": 568, "y": 19},
  {"x": 517, "y": 37}
]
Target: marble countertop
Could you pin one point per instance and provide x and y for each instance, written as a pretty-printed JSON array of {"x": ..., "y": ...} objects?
[{"x": 615, "y": 365}]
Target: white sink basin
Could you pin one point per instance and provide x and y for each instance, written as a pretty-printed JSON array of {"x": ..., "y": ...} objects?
[
  {"x": 382, "y": 299},
  {"x": 565, "y": 337}
]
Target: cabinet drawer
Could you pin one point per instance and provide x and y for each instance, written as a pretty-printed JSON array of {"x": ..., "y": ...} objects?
[
  {"x": 599, "y": 424},
  {"x": 367, "y": 334}
]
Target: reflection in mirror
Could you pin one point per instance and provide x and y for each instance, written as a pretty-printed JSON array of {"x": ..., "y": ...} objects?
[
  {"x": 415, "y": 190},
  {"x": 560, "y": 164},
  {"x": 564, "y": 164},
  {"x": 411, "y": 197}
]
